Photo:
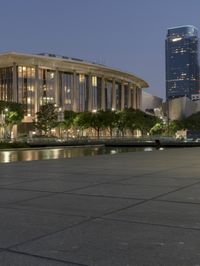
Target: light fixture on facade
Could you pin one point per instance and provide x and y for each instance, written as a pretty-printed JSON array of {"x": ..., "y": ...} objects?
[{"x": 176, "y": 39}]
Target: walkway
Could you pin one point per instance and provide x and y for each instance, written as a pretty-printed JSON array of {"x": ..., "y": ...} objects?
[{"x": 130, "y": 209}]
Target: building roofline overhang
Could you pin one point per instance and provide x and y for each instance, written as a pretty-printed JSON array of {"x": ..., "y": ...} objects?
[{"x": 79, "y": 62}]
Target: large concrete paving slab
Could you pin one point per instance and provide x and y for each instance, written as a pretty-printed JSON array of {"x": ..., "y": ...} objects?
[
  {"x": 11, "y": 258},
  {"x": 129, "y": 209},
  {"x": 189, "y": 194},
  {"x": 51, "y": 185},
  {"x": 136, "y": 191},
  {"x": 72, "y": 204},
  {"x": 18, "y": 226},
  {"x": 8, "y": 195},
  {"x": 103, "y": 242},
  {"x": 161, "y": 213},
  {"x": 157, "y": 180}
]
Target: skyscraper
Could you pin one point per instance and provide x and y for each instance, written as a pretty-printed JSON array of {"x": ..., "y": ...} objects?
[{"x": 182, "y": 66}]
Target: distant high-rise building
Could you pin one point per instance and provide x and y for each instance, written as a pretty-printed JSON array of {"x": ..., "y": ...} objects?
[{"x": 182, "y": 64}]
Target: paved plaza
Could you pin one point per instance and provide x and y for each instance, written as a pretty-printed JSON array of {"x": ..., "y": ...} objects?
[{"x": 128, "y": 209}]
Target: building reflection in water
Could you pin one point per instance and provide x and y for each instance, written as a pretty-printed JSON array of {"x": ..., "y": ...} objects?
[{"x": 56, "y": 153}]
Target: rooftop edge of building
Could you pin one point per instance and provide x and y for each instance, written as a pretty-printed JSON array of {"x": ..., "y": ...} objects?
[
  {"x": 183, "y": 26},
  {"x": 52, "y": 56},
  {"x": 185, "y": 30}
]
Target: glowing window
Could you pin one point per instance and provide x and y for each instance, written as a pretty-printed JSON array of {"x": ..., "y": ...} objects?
[
  {"x": 94, "y": 81},
  {"x": 81, "y": 78}
]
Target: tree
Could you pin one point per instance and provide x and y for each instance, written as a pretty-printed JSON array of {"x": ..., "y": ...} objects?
[
  {"x": 144, "y": 122},
  {"x": 12, "y": 114},
  {"x": 131, "y": 119},
  {"x": 87, "y": 120},
  {"x": 69, "y": 117},
  {"x": 192, "y": 122},
  {"x": 157, "y": 129},
  {"x": 97, "y": 121},
  {"x": 110, "y": 120},
  {"x": 82, "y": 120},
  {"x": 68, "y": 122},
  {"x": 121, "y": 122},
  {"x": 47, "y": 118}
]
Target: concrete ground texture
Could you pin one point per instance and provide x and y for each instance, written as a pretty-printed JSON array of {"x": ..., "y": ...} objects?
[{"x": 128, "y": 209}]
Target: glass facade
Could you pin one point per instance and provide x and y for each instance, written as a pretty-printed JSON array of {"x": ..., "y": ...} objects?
[
  {"x": 99, "y": 93},
  {"x": 6, "y": 80},
  {"x": 26, "y": 88},
  {"x": 182, "y": 66},
  {"x": 94, "y": 93},
  {"x": 47, "y": 84},
  {"x": 34, "y": 84},
  {"x": 66, "y": 85},
  {"x": 82, "y": 92},
  {"x": 108, "y": 94}
]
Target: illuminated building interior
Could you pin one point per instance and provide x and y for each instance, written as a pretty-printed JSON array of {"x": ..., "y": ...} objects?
[{"x": 70, "y": 83}]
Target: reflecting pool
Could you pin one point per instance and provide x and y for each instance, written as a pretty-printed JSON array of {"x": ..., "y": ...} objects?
[{"x": 62, "y": 152}]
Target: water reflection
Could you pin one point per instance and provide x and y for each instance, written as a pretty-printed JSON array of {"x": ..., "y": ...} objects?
[{"x": 66, "y": 152}]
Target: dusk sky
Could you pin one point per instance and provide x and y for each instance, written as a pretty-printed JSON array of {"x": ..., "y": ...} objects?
[{"x": 126, "y": 34}]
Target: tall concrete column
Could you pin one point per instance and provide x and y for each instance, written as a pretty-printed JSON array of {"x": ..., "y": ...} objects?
[
  {"x": 113, "y": 95},
  {"x": 122, "y": 95},
  {"x": 14, "y": 84},
  {"x": 74, "y": 96},
  {"x": 103, "y": 107},
  {"x": 129, "y": 95},
  {"x": 57, "y": 90},
  {"x": 134, "y": 97},
  {"x": 139, "y": 101},
  {"x": 90, "y": 94},
  {"x": 37, "y": 90}
]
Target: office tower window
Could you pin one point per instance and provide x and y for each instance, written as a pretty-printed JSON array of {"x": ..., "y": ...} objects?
[{"x": 182, "y": 66}]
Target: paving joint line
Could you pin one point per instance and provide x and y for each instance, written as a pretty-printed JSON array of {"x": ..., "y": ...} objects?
[
  {"x": 26, "y": 209},
  {"x": 104, "y": 196},
  {"x": 151, "y": 199},
  {"x": 52, "y": 233},
  {"x": 16, "y": 183},
  {"x": 153, "y": 224},
  {"x": 25, "y": 200},
  {"x": 155, "y": 172},
  {"x": 177, "y": 201},
  {"x": 42, "y": 257}
]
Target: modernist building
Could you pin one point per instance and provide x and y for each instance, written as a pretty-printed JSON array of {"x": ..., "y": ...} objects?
[
  {"x": 70, "y": 83},
  {"x": 182, "y": 66},
  {"x": 150, "y": 102}
]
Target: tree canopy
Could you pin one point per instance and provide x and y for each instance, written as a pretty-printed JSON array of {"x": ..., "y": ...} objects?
[
  {"x": 192, "y": 122},
  {"x": 12, "y": 113},
  {"x": 47, "y": 118}
]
